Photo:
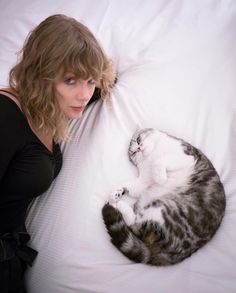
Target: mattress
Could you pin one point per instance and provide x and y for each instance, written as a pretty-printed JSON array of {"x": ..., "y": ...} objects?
[{"x": 176, "y": 66}]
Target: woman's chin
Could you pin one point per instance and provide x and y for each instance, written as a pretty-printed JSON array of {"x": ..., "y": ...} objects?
[{"x": 75, "y": 116}]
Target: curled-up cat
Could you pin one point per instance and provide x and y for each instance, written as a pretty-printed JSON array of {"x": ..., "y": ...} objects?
[{"x": 172, "y": 208}]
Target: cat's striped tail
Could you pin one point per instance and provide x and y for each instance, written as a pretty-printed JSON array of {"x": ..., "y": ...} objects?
[{"x": 123, "y": 237}]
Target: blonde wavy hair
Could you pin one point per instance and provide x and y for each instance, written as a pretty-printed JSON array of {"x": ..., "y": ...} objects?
[{"x": 57, "y": 45}]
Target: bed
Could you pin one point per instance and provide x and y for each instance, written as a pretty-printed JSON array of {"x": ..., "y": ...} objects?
[{"x": 176, "y": 68}]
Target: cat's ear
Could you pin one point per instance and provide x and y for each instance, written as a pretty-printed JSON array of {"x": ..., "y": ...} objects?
[{"x": 137, "y": 129}]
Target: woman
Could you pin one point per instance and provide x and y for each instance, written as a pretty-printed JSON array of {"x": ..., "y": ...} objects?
[{"x": 61, "y": 69}]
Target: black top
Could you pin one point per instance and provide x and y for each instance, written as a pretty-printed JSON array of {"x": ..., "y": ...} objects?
[{"x": 27, "y": 167}]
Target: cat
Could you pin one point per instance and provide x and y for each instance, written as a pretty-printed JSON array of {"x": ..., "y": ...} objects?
[{"x": 172, "y": 208}]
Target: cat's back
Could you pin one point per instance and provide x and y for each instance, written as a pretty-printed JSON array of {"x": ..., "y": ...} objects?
[{"x": 167, "y": 144}]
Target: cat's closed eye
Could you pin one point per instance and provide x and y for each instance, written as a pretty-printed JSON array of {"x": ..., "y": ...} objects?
[{"x": 139, "y": 139}]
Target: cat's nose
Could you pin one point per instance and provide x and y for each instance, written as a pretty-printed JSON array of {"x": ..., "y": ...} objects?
[{"x": 139, "y": 149}]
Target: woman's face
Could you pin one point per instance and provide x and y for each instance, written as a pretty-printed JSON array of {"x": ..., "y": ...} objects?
[{"x": 74, "y": 94}]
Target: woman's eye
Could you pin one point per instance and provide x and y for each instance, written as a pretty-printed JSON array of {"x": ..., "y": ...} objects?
[
  {"x": 70, "y": 81},
  {"x": 92, "y": 81}
]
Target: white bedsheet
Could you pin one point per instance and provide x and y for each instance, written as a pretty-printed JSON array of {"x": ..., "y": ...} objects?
[{"x": 176, "y": 65}]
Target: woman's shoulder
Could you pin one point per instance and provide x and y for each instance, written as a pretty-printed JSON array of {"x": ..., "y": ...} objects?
[
  {"x": 13, "y": 127},
  {"x": 11, "y": 115},
  {"x": 10, "y": 96}
]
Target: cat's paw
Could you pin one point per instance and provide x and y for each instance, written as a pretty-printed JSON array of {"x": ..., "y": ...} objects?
[{"x": 117, "y": 195}]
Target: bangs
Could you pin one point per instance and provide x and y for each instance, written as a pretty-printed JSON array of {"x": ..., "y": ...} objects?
[{"x": 84, "y": 63}]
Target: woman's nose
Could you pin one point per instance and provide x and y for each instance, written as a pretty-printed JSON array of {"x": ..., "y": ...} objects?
[{"x": 84, "y": 94}]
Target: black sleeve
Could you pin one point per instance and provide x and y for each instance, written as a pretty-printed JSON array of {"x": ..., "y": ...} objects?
[{"x": 11, "y": 121}]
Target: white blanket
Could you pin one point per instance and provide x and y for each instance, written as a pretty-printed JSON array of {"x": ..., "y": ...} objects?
[{"x": 176, "y": 65}]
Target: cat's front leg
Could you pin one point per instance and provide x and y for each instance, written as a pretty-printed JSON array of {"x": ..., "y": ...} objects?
[
  {"x": 136, "y": 187},
  {"x": 116, "y": 195},
  {"x": 131, "y": 189},
  {"x": 159, "y": 173}
]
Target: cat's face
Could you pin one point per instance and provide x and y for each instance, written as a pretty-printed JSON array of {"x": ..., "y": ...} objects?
[{"x": 141, "y": 145}]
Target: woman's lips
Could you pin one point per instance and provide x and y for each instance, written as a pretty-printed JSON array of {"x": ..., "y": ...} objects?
[{"x": 77, "y": 109}]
